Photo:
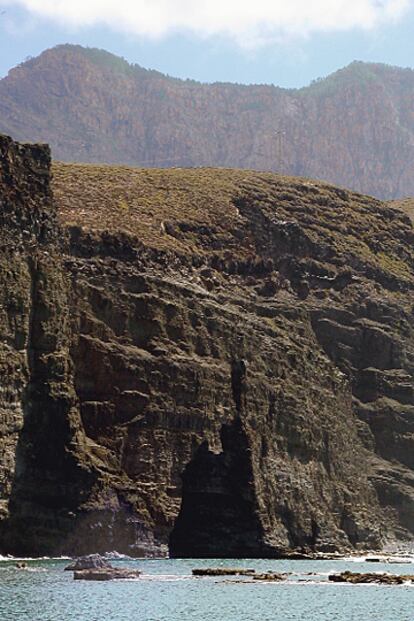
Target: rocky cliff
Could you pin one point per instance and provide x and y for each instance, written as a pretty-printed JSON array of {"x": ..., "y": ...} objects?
[
  {"x": 217, "y": 361},
  {"x": 355, "y": 128}
]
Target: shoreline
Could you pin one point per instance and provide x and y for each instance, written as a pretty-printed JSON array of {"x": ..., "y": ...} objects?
[{"x": 369, "y": 557}]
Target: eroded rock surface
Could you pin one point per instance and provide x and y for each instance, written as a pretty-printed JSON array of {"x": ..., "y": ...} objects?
[{"x": 218, "y": 361}]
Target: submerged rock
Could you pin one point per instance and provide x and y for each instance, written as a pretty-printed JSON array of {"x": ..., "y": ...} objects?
[{"x": 109, "y": 573}]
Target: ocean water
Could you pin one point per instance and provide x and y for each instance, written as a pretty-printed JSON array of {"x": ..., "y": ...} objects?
[{"x": 167, "y": 591}]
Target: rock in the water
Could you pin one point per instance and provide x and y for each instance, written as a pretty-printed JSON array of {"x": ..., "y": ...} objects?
[
  {"x": 109, "y": 573},
  {"x": 91, "y": 561},
  {"x": 94, "y": 567},
  {"x": 223, "y": 571},
  {"x": 270, "y": 577},
  {"x": 367, "y": 578}
]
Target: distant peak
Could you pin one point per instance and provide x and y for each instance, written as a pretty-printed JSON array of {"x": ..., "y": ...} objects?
[{"x": 100, "y": 58}]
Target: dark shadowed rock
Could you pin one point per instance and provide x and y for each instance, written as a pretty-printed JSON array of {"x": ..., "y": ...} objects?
[{"x": 222, "y": 571}]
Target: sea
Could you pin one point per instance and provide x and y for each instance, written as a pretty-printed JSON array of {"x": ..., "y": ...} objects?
[{"x": 167, "y": 591}]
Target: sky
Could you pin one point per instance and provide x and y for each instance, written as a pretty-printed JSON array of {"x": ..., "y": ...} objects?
[{"x": 284, "y": 42}]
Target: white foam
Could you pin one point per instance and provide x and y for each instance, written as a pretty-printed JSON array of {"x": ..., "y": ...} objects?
[
  {"x": 165, "y": 577},
  {"x": 11, "y": 558},
  {"x": 382, "y": 558},
  {"x": 114, "y": 555}
]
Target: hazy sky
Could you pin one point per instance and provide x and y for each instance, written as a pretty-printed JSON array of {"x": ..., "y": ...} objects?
[{"x": 284, "y": 42}]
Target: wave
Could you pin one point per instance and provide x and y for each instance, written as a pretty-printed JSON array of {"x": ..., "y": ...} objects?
[
  {"x": 166, "y": 577},
  {"x": 114, "y": 556},
  {"x": 389, "y": 558}
]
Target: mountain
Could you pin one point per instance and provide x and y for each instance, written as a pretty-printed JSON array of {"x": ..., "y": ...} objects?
[
  {"x": 354, "y": 128},
  {"x": 218, "y": 361}
]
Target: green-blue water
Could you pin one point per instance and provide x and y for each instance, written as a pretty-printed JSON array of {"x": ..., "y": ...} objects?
[{"x": 167, "y": 592}]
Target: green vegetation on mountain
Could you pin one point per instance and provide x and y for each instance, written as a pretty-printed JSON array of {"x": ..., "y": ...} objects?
[{"x": 355, "y": 128}]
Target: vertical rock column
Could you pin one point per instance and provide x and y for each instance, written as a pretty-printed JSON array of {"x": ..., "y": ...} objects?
[{"x": 41, "y": 479}]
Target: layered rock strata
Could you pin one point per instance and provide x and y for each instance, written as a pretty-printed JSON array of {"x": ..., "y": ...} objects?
[{"x": 218, "y": 361}]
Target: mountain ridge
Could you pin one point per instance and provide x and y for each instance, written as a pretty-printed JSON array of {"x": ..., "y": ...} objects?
[
  {"x": 104, "y": 57},
  {"x": 354, "y": 128}
]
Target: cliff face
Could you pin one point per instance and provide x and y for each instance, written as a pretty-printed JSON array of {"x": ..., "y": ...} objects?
[
  {"x": 354, "y": 128},
  {"x": 221, "y": 361},
  {"x": 39, "y": 472}
]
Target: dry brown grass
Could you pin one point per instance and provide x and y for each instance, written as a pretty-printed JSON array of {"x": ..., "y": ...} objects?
[
  {"x": 406, "y": 205},
  {"x": 170, "y": 209},
  {"x": 144, "y": 202}
]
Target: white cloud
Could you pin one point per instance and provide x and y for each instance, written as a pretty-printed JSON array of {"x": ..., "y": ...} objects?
[{"x": 249, "y": 22}]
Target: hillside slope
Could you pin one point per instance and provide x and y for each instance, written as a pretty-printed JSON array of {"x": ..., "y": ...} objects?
[
  {"x": 354, "y": 128},
  {"x": 220, "y": 361},
  {"x": 406, "y": 205}
]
